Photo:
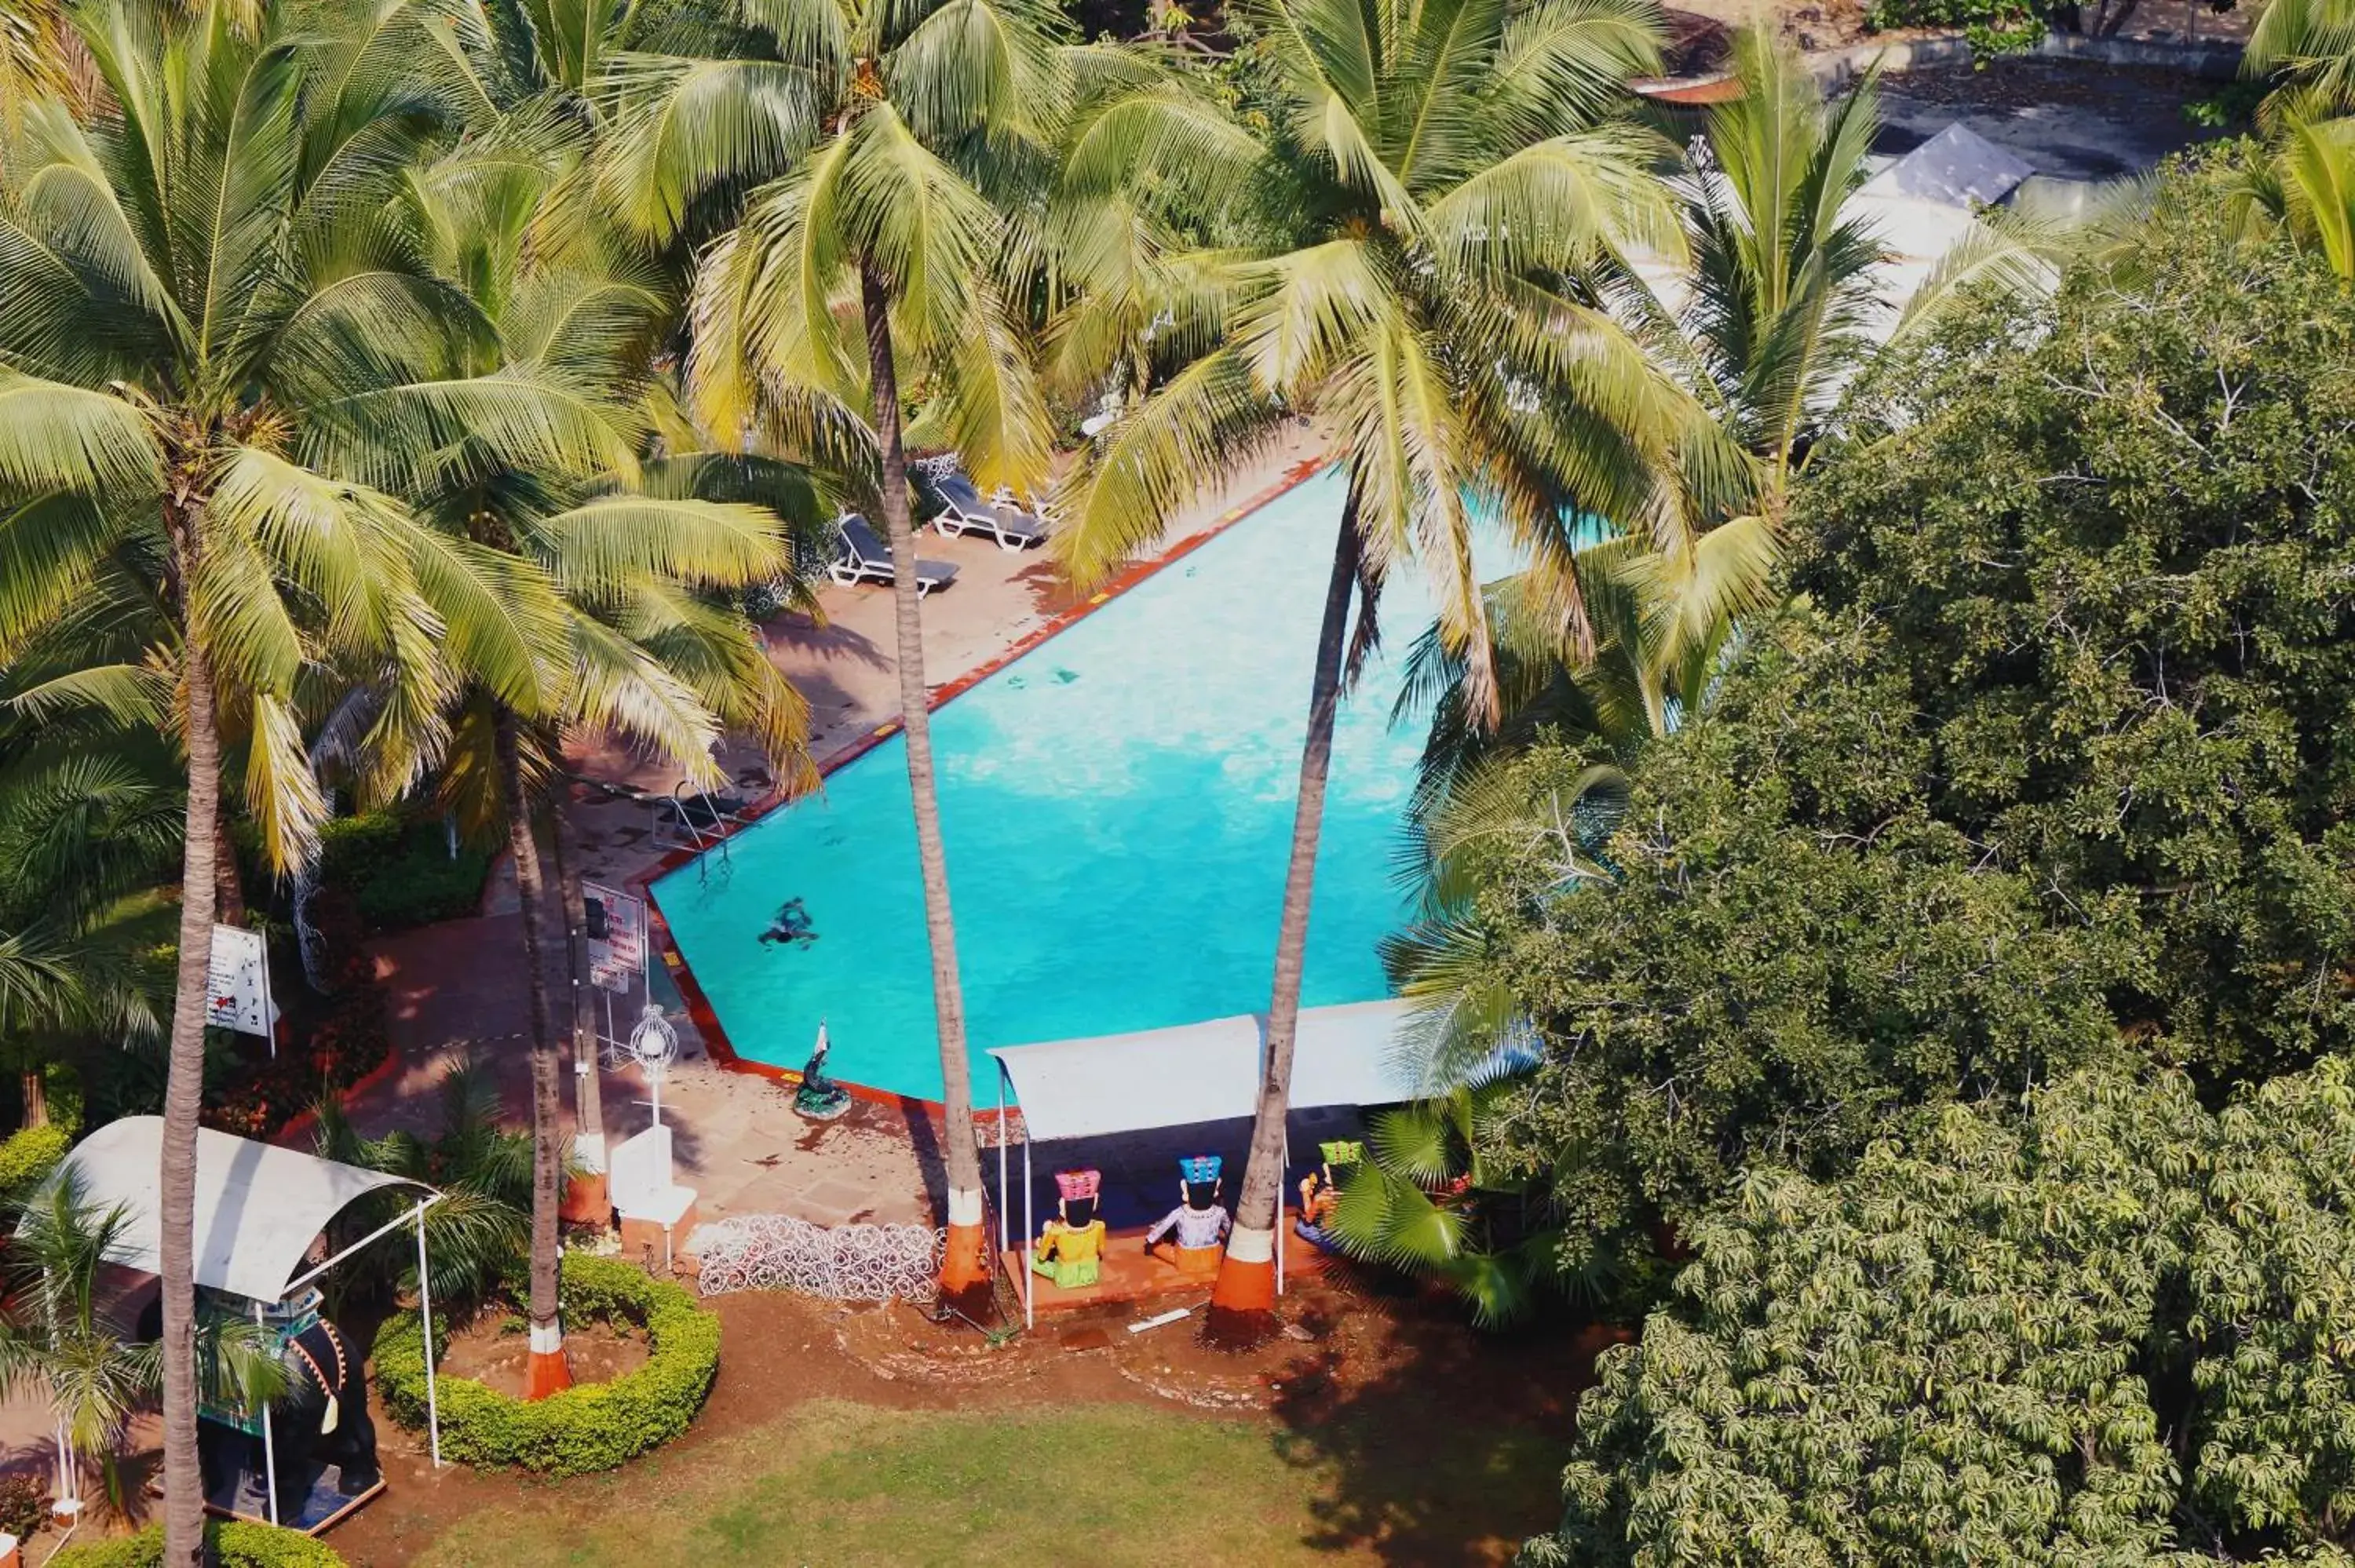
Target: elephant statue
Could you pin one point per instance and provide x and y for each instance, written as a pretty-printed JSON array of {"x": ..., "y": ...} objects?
[{"x": 323, "y": 1416}]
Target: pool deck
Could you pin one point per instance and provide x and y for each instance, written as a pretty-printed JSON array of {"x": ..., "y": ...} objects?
[{"x": 455, "y": 986}]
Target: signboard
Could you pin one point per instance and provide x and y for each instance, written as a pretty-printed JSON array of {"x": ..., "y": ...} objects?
[
  {"x": 616, "y": 924},
  {"x": 238, "y": 994}
]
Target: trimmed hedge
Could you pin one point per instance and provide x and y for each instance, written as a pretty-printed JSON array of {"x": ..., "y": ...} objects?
[
  {"x": 30, "y": 1153},
  {"x": 590, "y": 1426},
  {"x": 236, "y": 1543}
]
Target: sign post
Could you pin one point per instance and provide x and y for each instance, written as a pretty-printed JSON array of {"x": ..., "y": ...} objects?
[
  {"x": 237, "y": 994},
  {"x": 615, "y": 926}
]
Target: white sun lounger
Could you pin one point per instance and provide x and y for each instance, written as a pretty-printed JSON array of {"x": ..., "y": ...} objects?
[
  {"x": 864, "y": 558},
  {"x": 967, "y": 513}
]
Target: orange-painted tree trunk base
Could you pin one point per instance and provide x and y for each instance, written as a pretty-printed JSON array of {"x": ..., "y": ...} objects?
[
  {"x": 587, "y": 1200},
  {"x": 546, "y": 1373},
  {"x": 1242, "y": 1314},
  {"x": 965, "y": 1272}
]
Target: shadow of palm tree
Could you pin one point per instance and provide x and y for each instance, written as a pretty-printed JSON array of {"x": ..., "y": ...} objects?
[{"x": 1450, "y": 1450}]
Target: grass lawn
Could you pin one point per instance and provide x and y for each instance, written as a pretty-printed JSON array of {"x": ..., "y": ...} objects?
[{"x": 833, "y": 1483}]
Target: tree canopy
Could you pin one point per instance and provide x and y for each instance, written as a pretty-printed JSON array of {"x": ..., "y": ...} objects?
[
  {"x": 2106, "y": 1327},
  {"x": 2050, "y": 757}
]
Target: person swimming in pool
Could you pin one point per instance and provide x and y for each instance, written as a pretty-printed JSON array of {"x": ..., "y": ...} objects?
[{"x": 793, "y": 925}]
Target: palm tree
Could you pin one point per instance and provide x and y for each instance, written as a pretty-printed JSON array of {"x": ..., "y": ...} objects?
[
  {"x": 614, "y": 589},
  {"x": 216, "y": 347},
  {"x": 884, "y": 253},
  {"x": 1435, "y": 180},
  {"x": 1781, "y": 307},
  {"x": 57, "y": 1346},
  {"x": 81, "y": 829},
  {"x": 482, "y": 1225},
  {"x": 1424, "y": 1200}
]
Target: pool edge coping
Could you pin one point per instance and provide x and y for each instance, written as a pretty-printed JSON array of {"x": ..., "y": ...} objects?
[{"x": 699, "y": 1011}]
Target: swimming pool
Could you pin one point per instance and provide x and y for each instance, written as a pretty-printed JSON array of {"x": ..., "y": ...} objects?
[{"x": 1117, "y": 808}]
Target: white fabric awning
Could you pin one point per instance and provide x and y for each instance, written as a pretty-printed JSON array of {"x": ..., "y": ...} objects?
[
  {"x": 1203, "y": 1072},
  {"x": 258, "y": 1207}
]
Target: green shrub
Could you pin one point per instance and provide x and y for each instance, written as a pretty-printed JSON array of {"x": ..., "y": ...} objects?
[
  {"x": 401, "y": 873},
  {"x": 24, "y": 1504},
  {"x": 236, "y": 1543},
  {"x": 31, "y": 1153},
  {"x": 588, "y": 1427}
]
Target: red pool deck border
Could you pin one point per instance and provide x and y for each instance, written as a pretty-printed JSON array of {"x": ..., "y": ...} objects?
[{"x": 698, "y": 1006}]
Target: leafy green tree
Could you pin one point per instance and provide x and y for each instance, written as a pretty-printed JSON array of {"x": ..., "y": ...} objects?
[
  {"x": 1424, "y": 1200},
  {"x": 1783, "y": 306},
  {"x": 217, "y": 347},
  {"x": 1765, "y": 950},
  {"x": 1431, "y": 183},
  {"x": 2103, "y": 1326},
  {"x": 887, "y": 257},
  {"x": 81, "y": 831},
  {"x": 2054, "y": 766}
]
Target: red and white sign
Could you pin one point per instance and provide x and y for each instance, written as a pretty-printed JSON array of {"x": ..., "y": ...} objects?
[{"x": 617, "y": 937}]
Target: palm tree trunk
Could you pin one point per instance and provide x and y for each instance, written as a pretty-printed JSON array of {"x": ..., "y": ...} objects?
[
  {"x": 35, "y": 1087},
  {"x": 184, "y": 1502},
  {"x": 965, "y": 1269},
  {"x": 585, "y": 1197},
  {"x": 547, "y": 1372},
  {"x": 1242, "y": 1302},
  {"x": 229, "y": 883}
]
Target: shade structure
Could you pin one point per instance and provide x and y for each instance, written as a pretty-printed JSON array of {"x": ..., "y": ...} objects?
[
  {"x": 258, "y": 1207},
  {"x": 1203, "y": 1072}
]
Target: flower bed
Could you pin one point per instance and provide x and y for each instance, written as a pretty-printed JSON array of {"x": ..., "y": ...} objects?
[
  {"x": 590, "y": 1426},
  {"x": 236, "y": 1543},
  {"x": 343, "y": 1038}
]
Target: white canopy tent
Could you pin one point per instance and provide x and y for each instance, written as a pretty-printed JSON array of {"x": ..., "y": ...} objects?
[
  {"x": 260, "y": 1208},
  {"x": 1197, "y": 1072}
]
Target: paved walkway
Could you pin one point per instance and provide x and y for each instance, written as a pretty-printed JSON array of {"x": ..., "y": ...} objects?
[{"x": 456, "y": 986}]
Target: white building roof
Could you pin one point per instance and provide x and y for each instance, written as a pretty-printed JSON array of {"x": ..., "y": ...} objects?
[{"x": 258, "y": 1207}]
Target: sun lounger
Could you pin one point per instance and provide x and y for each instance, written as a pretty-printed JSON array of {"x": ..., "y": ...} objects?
[
  {"x": 864, "y": 558},
  {"x": 967, "y": 513}
]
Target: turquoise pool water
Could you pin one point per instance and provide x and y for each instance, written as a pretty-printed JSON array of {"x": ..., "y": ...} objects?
[{"x": 1117, "y": 807}]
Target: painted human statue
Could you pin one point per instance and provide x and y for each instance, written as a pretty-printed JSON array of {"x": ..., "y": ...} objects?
[
  {"x": 1200, "y": 1223},
  {"x": 1070, "y": 1250},
  {"x": 1320, "y": 1190}
]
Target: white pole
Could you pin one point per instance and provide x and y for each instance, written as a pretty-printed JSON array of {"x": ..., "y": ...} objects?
[
  {"x": 1004, "y": 1216},
  {"x": 69, "y": 1468},
  {"x": 425, "y": 1315},
  {"x": 269, "y": 1004},
  {"x": 1030, "y": 1289},
  {"x": 1282, "y": 1182},
  {"x": 269, "y": 1446}
]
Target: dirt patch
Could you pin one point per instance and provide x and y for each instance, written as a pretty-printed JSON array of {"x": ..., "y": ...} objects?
[{"x": 493, "y": 1352}]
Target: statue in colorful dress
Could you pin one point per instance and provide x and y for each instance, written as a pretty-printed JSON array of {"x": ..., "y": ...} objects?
[
  {"x": 1320, "y": 1190},
  {"x": 1070, "y": 1246},
  {"x": 1200, "y": 1223}
]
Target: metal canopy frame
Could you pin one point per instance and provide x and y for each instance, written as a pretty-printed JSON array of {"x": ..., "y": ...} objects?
[
  {"x": 414, "y": 1218},
  {"x": 1006, "y": 1245}
]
